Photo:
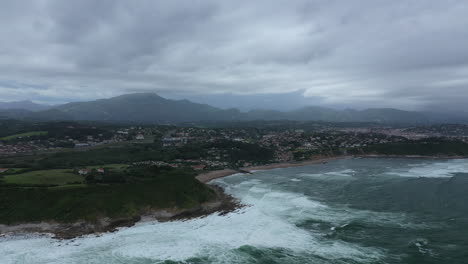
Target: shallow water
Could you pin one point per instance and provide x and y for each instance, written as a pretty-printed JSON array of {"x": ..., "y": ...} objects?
[{"x": 346, "y": 211}]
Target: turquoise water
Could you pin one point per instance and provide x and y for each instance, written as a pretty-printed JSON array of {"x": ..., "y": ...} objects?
[{"x": 346, "y": 211}]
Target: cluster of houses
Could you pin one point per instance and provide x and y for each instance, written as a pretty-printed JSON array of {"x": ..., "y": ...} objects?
[
  {"x": 86, "y": 171},
  {"x": 96, "y": 141},
  {"x": 286, "y": 143},
  {"x": 200, "y": 164},
  {"x": 22, "y": 147},
  {"x": 349, "y": 140},
  {"x": 451, "y": 131},
  {"x": 51, "y": 144},
  {"x": 182, "y": 136},
  {"x": 447, "y": 131},
  {"x": 175, "y": 141}
]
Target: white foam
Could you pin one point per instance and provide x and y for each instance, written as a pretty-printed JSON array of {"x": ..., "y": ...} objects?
[
  {"x": 176, "y": 241},
  {"x": 433, "y": 170},
  {"x": 269, "y": 222},
  {"x": 332, "y": 175},
  {"x": 342, "y": 173}
]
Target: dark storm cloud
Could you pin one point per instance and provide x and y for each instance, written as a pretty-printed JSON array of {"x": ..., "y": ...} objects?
[{"x": 374, "y": 53}]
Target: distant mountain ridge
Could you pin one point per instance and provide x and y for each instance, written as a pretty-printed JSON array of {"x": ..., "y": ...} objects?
[
  {"x": 23, "y": 105},
  {"x": 152, "y": 108},
  {"x": 147, "y": 108}
]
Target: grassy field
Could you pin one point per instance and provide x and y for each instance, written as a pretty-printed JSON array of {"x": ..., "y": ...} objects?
[
  {"x": 52, "y": 177},
  {"x": 13, "y": 170},
  {"x": 28, "y": 134},
  {"x": 70, "y": 203},
  {"x": 44, "y": 177}
]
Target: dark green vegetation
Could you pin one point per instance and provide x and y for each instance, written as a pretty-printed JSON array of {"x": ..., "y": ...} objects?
[
  {"x": 58, "y": 133},
  {"x": 43, "y": 178},
  {"x": 25, "y": 135},
  {"x": 151, "y": 108},
  {"x": 144, "y": 188},
  {"x": 242, "y": 151},
  {"x": 12, "y": 127},
  {"x": 27, "y": 177},
  {"x": 137, "y": 152}
]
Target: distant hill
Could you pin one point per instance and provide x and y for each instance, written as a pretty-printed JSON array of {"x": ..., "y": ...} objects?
[
  {"x": 46, "y": 115},
  {"x": 23, "y": 105},
  {"x": 151, "y": 108},
  {"x": 15, "y": 114},
  {"x": 145, "y": 107}
]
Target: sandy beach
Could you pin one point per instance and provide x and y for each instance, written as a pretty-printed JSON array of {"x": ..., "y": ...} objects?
[
  {"x": 211, "y": 175},
  {"x": 208, "y": 176}
]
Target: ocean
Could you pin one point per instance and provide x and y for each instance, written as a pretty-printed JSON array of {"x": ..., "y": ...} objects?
[{"x": 346, "y": 211}]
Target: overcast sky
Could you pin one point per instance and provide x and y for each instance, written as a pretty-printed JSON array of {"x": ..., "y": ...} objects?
[{"x": 389, "y": 53}]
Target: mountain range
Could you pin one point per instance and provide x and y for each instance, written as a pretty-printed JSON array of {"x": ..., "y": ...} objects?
[
  {"x": 23, "y": 105},
  {"x": 151, "y": 108}
]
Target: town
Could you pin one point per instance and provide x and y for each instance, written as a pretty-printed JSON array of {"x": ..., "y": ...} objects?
[{"x": 286, "y": 143}]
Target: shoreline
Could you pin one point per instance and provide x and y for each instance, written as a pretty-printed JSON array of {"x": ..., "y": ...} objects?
[
  {"x": 211, "y": 175},
  {"x": 222, "y": 204}
]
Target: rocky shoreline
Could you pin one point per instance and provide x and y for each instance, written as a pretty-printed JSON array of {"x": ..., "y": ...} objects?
[{"x": 223, "y": 204}]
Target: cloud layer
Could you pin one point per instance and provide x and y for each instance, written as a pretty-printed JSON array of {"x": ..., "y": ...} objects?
[{"x": 364, "y": 53}]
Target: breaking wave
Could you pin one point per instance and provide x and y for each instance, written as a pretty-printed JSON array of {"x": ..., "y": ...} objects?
[{"x": 433, "y": 169}]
